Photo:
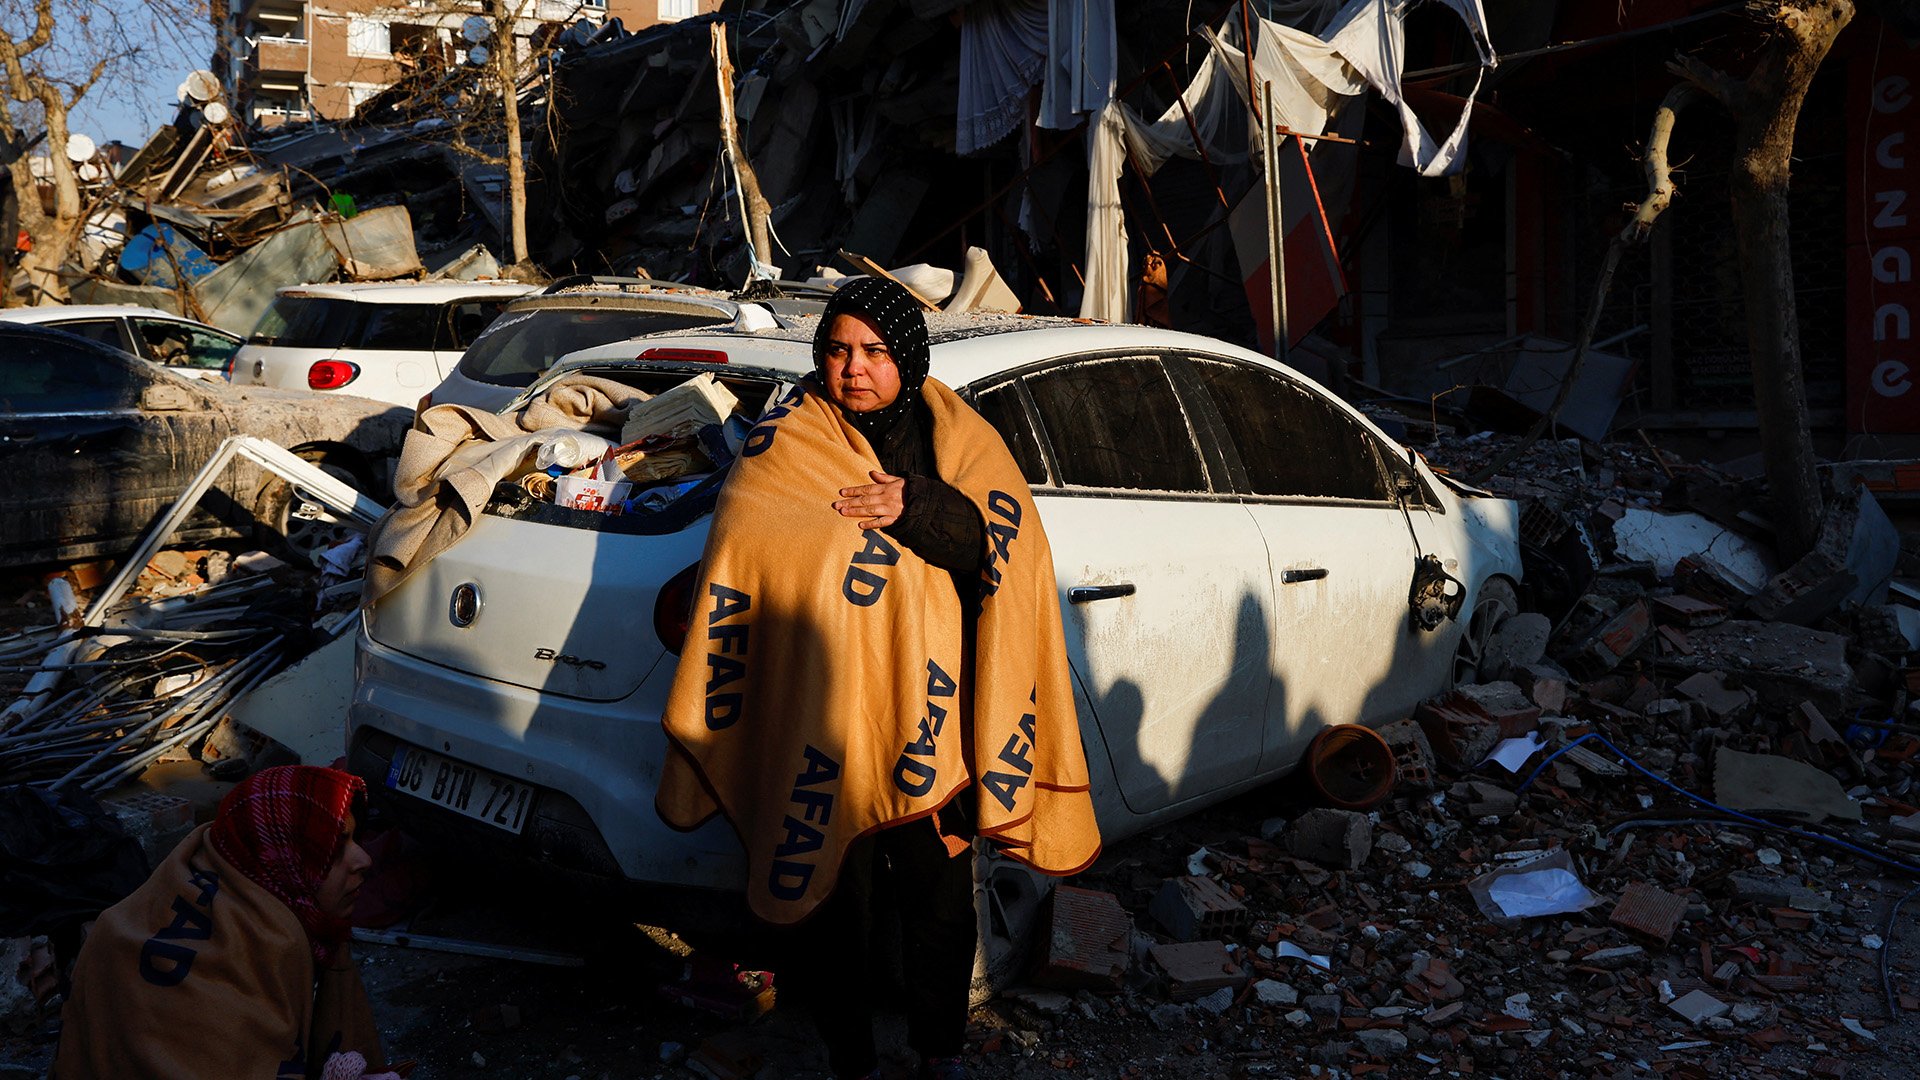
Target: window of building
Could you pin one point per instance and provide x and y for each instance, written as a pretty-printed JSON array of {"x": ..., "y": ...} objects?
[
  {"x": 369, "y": 37},
  {"x": 678, "y": 9}
]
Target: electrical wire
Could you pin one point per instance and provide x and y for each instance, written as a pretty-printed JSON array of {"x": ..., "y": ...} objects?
[
  {"x": 1886, "y": 950},
  {"x": 1628, "y": 760},
  {"x": 1886, "y": 938}
]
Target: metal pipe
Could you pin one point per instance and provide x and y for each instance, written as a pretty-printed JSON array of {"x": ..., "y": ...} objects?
[
  {"x": 188, "y": 702},
  {"x": 1276, "y": 250}
]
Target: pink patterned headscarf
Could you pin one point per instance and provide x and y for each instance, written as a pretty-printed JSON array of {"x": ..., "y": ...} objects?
[{"x": 283, "y": 828}]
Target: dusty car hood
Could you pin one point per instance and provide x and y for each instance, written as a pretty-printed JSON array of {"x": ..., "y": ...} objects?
[{"x": 292, "y": 416}]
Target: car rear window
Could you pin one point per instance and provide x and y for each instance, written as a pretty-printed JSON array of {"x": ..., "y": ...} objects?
[
  {"x": 520, "y": 345},
  {"x": 319, "y": 322}
]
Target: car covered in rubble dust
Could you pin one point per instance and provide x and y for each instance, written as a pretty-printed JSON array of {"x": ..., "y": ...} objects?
[
  {"x": 95, "y": 441},
  {"x": 1235, "y": 550}
]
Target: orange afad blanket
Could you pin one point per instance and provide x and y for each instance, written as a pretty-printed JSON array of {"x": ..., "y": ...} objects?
[
  {"x": 203, "y": 973},
  {"x": 825, "y": 689}
]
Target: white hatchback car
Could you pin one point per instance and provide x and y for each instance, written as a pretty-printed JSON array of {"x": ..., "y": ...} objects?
[
  {"x": 390, "y": 341},
  {"x": 187, "y": 348},
  {"x": 1234, "y": 549}
]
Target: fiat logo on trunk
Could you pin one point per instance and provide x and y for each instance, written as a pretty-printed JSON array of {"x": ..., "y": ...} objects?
[{"x": 465, "y": 605}]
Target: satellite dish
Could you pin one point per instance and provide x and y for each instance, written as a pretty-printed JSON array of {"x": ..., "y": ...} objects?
[
  {"x": 476, "y": 30},
  {"x": 88, "y": 171},
  {"x": 80, "y": 148},
  {"x": 201, "y": 86},
  {"x": 478, "y": 55},
  {"x": 216, "y": 113}
]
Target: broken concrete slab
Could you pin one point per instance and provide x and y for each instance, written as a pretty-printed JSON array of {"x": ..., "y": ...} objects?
[
  {"x": 1481, "y": 799},
  {"x": 1710, "y": 689},
  {"x": 1772, "y": 658},
  {"x": 1680, "y": 609},
  {"x": 1769, "y": 784},
  {"x": 1504, "y": 703},
  {"x": 1665, "y": 539},
  {"x": 1518, "y": 642},
  {"x": 1698, "y": 1006},
  {"x": 1340, "y": 839}
]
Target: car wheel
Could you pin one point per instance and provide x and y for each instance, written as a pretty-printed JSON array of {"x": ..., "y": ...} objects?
[
  {"x": 1009, "y": 898},
  {"x": 1496, "y": 604},
  {"x": 290, "y": 519}
]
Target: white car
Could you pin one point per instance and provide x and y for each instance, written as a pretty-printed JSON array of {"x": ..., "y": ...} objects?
[
  {"x": 187, "y": 348},
  {"x": 390, "y": 341},
  {"x": 1234, "y": 549}
]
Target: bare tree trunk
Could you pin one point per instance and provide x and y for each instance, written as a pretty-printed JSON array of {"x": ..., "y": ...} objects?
[
  {"x": 758, "y": 211},
  {"x": 506, "y": 65},
  {"x": 54, "y": 240},
  {"x": 1660, "y": 192},
  {"x": 1766, "y": 110}
]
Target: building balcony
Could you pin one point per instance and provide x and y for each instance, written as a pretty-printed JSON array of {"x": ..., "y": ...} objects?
[{"x": 280, "y": 54}]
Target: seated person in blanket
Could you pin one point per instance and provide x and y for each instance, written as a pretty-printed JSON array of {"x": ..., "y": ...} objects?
[
  {"x": 231, "y": 961},
  {"x": 876, "y": 676}
]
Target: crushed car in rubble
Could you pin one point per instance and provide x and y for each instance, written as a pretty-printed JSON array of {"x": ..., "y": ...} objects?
[{"x": 95, "y": 442}]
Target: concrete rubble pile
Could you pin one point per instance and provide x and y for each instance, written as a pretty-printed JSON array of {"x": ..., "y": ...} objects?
[
  {"x": 1665, "y": 832},
  {"x": 847, "y": 111}
]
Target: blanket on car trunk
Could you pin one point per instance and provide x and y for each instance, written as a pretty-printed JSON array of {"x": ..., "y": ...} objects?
[
  {"x": 454, "y": 456},
  {"x": 825, "y": 689},
  {"x": 203, "y": 973}
]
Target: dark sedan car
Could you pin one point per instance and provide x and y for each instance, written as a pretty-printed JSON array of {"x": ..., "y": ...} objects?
[{"x": 94, "y": 442}]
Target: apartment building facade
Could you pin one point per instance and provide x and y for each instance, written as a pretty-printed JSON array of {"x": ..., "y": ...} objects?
[{"x": 296, "y": 60}]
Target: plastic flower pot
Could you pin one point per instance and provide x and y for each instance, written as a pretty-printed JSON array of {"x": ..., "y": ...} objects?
[{"x": 1350, "y": 766}]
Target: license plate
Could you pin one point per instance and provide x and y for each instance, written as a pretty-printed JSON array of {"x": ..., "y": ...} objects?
[{"x": 464, "y": 789}]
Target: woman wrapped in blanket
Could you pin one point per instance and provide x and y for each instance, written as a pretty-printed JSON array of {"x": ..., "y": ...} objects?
[
  {"x": 232, "y": 960},
  {"x": 871, "y": 356},
  {"x": 878, "y": 679}
]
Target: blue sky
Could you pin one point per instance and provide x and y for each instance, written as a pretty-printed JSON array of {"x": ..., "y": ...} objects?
[{"x": 163, "y": 40}]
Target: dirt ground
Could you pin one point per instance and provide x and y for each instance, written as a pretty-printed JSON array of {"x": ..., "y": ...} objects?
[{"x": 459, "y": 1015}]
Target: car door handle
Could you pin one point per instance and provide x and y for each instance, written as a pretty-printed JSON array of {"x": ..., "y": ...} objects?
[
  {"x": 1086, "y": 594},
  {"x": 1305, "y": 573}
]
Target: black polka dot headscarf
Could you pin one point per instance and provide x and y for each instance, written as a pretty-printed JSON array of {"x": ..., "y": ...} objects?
[{"x": 898, "y": 317}]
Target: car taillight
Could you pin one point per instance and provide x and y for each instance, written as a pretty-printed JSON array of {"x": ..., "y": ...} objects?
[
  {"x": 693, "y": 356},
  {"x": 673, "y": 609},
  {"x": 227, "y": 371},
  {"x": 331, "y": 374}
]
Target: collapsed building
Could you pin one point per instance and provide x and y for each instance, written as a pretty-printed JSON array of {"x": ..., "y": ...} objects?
[{"x": 1444, "y": 211}]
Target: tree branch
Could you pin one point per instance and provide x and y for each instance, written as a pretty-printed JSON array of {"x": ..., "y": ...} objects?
[
  {"x": 1660, "y": 193},
  {"x": 1721, "y": 87}
]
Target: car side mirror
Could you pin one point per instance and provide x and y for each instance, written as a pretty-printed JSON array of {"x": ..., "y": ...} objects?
[{"x": 160, "y": 397}]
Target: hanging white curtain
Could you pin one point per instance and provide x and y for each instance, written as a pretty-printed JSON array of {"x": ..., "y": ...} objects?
[
  {"x": 1003, "y": 53},
  {"x": 1363, "y": 46}
]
